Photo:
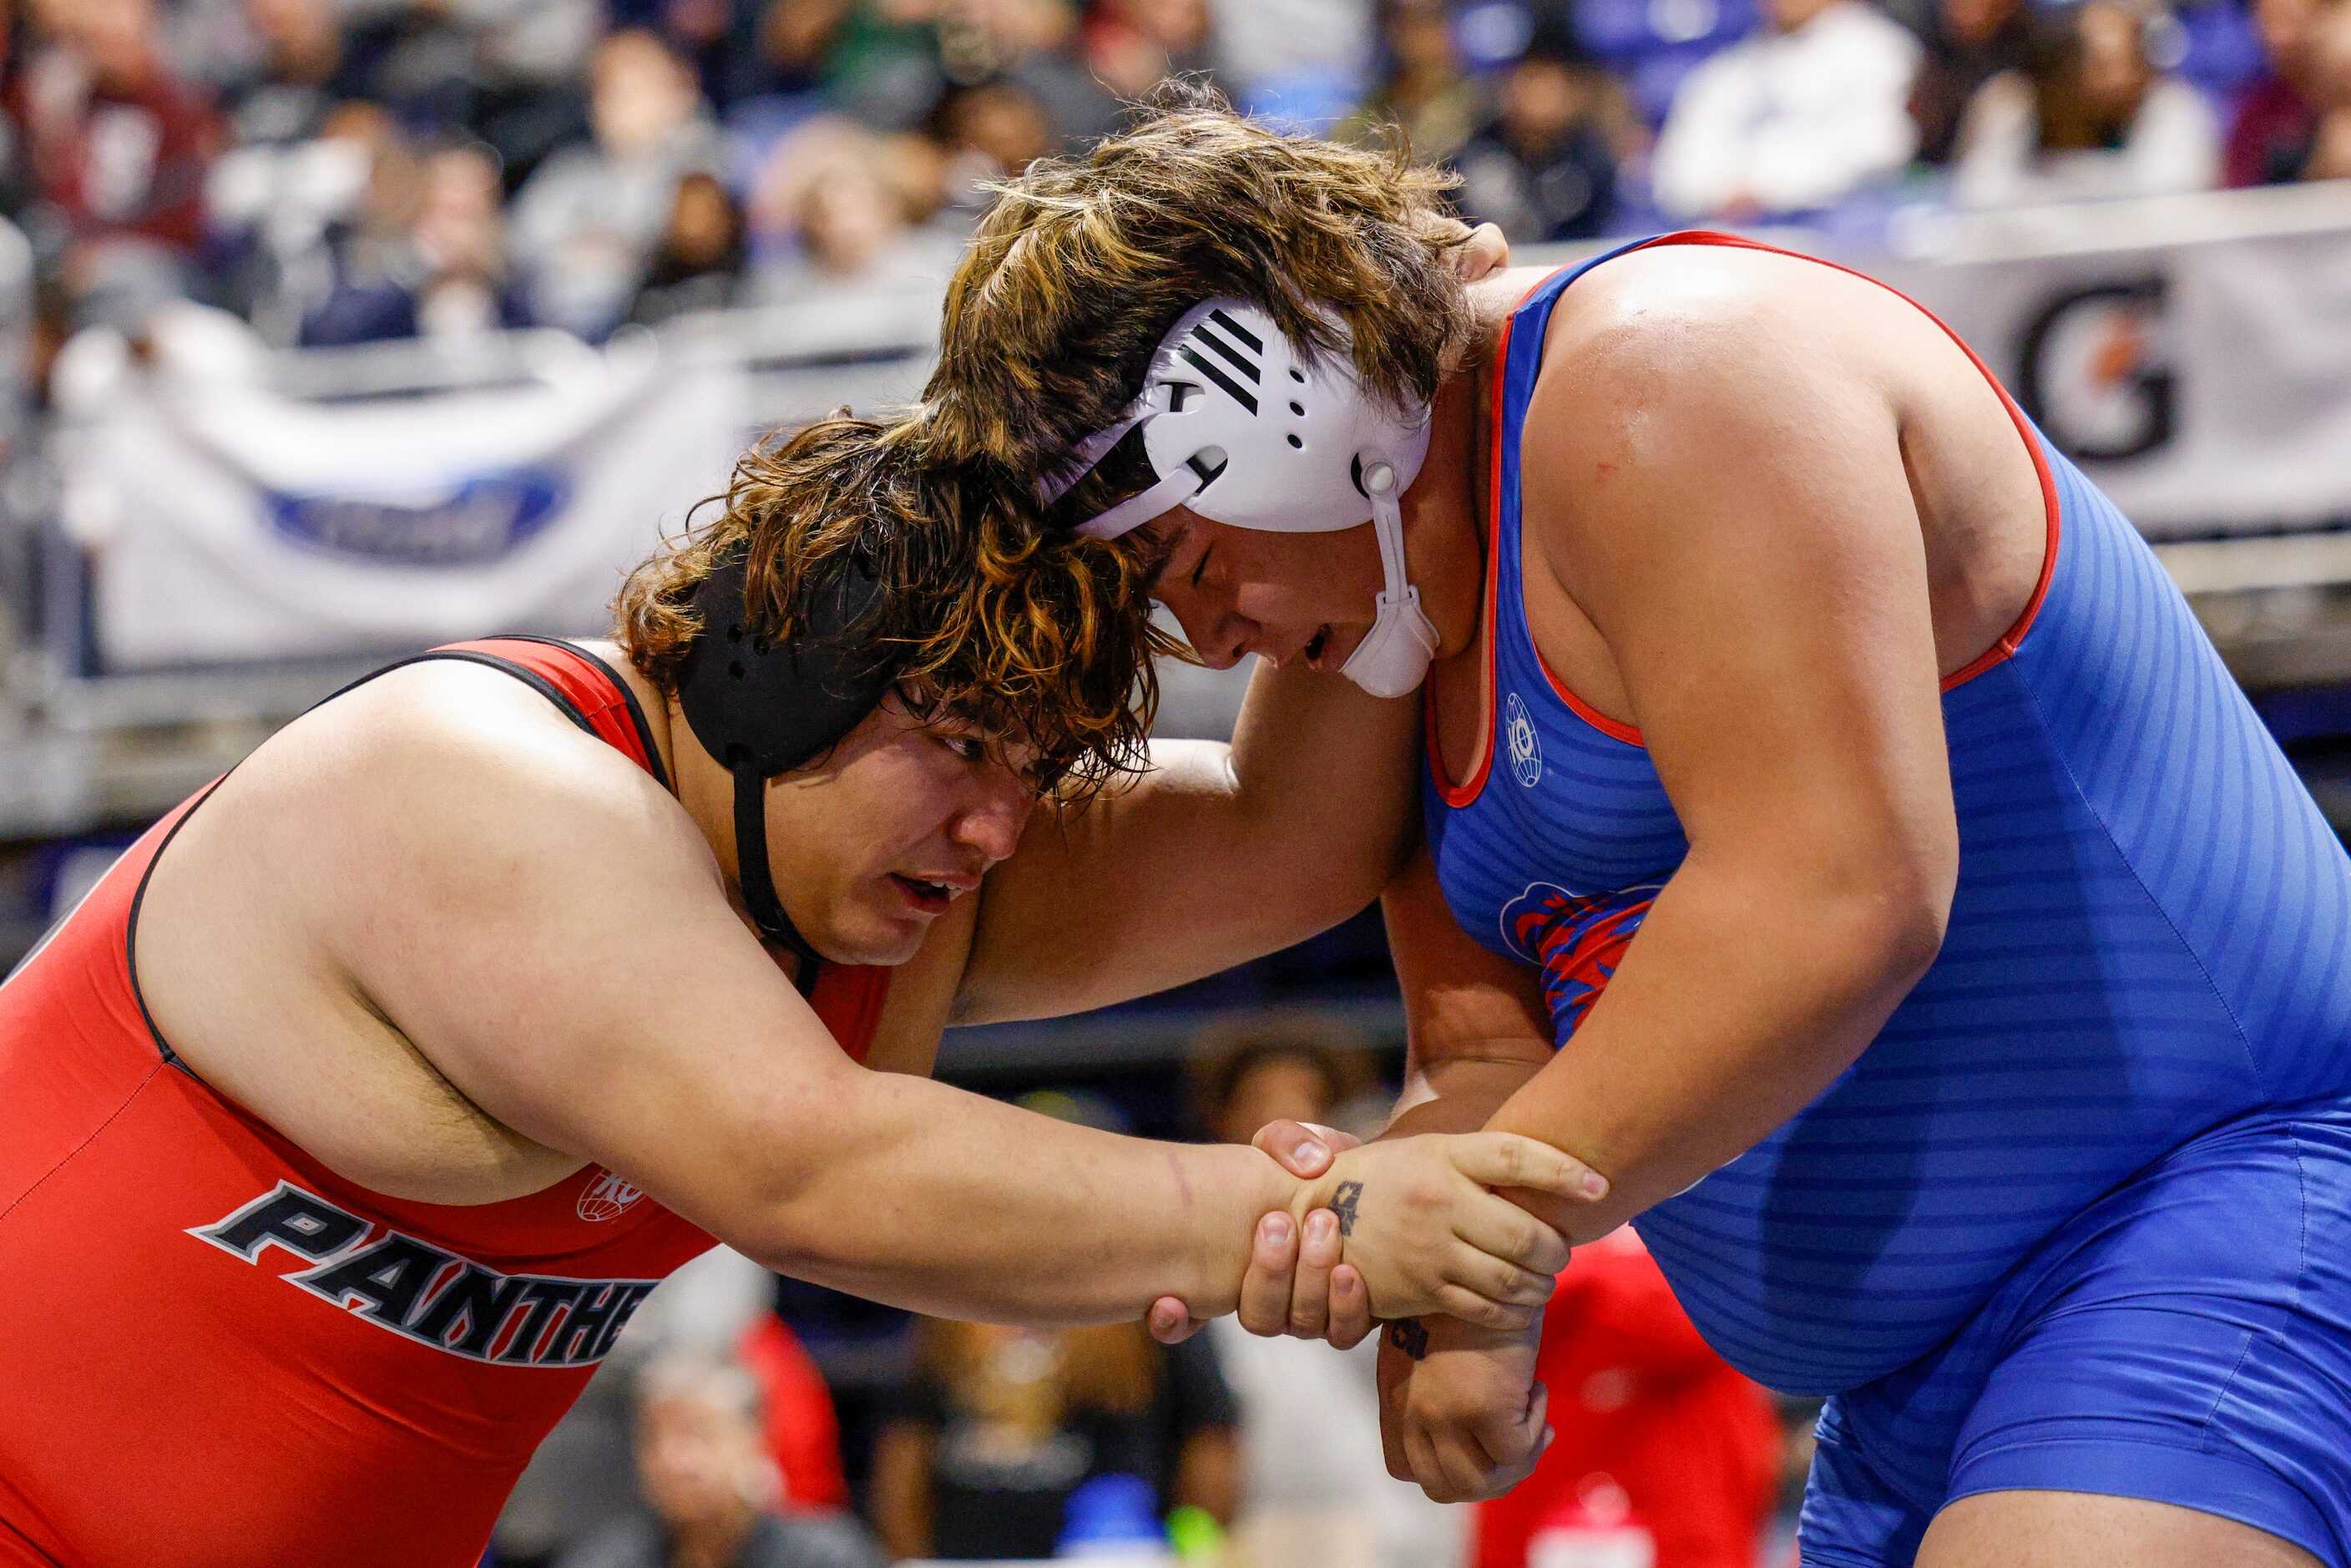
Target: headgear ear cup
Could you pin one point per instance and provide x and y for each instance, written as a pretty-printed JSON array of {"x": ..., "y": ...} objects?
[
  {"x": 1395, "y": 654},
  {"x": 1242, "y": 427},
  {"x": 762, "y": 706}
]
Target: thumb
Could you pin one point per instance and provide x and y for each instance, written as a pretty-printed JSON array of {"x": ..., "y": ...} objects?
[
  {"x": 1170, "y": 1322},
  {"x": 1303, "y": 1148}
]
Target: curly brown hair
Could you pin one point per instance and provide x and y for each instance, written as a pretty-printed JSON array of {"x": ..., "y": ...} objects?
[
  {"x": 1029, "y": 638},
  {"x": 1083, "y": 264}
]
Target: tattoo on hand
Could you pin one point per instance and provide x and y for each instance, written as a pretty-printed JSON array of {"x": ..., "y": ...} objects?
[
  {"x": 1408, "y": 1336},
  {"x": 1342, "y": 1203}
]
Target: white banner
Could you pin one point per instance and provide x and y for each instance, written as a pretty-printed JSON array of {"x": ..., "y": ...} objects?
[
  {"x": 242, "y": 525},
  {"x": 2206, "y": 386}
]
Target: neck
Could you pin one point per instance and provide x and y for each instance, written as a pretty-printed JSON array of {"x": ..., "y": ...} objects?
[
  {"x": 1445, "y": 512},
  {"x": 705, "y": 788}
]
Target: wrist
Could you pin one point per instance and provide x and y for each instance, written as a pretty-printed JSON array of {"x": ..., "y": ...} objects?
[{"x": 1229, "y": 1188}]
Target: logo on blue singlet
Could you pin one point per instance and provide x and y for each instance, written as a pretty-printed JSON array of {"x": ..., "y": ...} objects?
[{"x": 1519, "y": 735}]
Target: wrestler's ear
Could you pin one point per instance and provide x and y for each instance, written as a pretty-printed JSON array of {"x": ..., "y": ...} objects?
[{"x": 1304, "y": 1149}]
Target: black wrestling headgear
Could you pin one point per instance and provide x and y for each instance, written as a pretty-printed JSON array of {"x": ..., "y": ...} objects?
[{"x": 763, "y": 707}]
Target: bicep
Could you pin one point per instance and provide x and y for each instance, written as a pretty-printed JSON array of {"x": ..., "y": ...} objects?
[
  {"x": 1217, "y": 854},
  {"x": 561, "y": 950}
]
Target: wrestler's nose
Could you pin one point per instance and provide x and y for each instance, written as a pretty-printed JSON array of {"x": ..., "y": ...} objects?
[
  {"x": 1221, "y": 639},
  {"x": 992, "y": 824}
]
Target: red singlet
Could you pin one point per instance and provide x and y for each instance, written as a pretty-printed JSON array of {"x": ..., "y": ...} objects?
[{"x": 215, "y": 1351}]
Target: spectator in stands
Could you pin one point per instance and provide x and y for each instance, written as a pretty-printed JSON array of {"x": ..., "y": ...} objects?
[
  {"x": 444, "y": 277},
  {"x": 997, "y": 1427},
  {"x": 1972, "y": 42},
  {"x": 711, "y": 1484},
  {"x": 1133, "y": 45},
  {"x": 852, "y": 230},
  {"x": 506, "y": 72},
  {"x": 290, "y": 69},
  {"x": 1423, "y": 90},
  {"x": 1663, "y": 1452},
  {"x": 1317, "y": 1490},
  {"x": 1792, "y": 120},
  {"x": 987, "y": 132},
  {"x": 2277, "y": 121},
  {"x": 2330, "y": 143},
  {"x": 1284, "y": 52},
  {"x": 587, "y": 224},
  {"x": 118, "y": 145},
  {"x": 699, "y": 261},
  {"x": 2090, "y": 118},
  {"x": 1544, "y": 168}
]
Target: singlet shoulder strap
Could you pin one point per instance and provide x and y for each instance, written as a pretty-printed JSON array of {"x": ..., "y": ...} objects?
[{"x": 586, "y": 690}]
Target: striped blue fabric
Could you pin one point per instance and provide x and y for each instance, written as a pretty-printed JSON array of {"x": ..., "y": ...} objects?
[{"x": 2146, "y": 941}]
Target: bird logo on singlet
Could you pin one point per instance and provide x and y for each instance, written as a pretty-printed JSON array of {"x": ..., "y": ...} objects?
[
  {"x": 607, "y": 1197},
  {"x": 1576, "y": 940},
  {"x": 1519, "y": 734}
]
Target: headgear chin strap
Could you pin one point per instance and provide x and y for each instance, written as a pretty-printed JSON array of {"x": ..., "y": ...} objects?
[
  {"x": 762, "y": 707},
  {"x": 1239, "y": 426}
]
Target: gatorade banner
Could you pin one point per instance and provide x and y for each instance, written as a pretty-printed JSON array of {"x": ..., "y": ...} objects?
[
  {"x": 240, "y": 526},
  {"x": 2206, "y": 386}
]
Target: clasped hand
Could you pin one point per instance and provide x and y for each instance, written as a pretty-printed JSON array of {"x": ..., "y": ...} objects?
[{"x": 1460, "y": 1411}]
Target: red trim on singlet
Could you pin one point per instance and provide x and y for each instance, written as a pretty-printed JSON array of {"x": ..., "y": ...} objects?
[
  {"x": 2002, "y": 648},
  {"x": 1461, "y": 795}
]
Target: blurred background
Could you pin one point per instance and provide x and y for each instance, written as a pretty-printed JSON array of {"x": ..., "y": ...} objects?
[{"x": 332, "y": 329}]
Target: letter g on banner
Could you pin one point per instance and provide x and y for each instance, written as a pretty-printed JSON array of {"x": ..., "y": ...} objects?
[{"x": 2094, "y": 373}]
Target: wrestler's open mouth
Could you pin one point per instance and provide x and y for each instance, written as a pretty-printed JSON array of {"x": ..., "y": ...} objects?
[
  {"x": 1315, "y": 645},
  {"x": 930, "y": 897}
]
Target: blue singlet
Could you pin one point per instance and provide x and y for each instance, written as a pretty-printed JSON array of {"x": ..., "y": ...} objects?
[{"x": 2079, "y": 1217}]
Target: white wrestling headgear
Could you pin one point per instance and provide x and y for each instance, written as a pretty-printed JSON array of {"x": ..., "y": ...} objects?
[{"x": 1237, "y": 424}]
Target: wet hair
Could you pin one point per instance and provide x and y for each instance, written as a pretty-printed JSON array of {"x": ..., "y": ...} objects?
[
  {"x": 1024, "y": 637},
  {"x": 1085, "y": 263}
]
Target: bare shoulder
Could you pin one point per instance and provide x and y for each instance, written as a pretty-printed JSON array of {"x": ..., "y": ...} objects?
[
  {"x": 1705, "y": 322},
  {"x": 441, "y": 838},
  {"x": 463, "y": 772}
]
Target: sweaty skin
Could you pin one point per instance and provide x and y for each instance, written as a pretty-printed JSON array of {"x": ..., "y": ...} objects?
[
  {"x": 1767, "y": 505},
  {"x": 455, "y": 948}
]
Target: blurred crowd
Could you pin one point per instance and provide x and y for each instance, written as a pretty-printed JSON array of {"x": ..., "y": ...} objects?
[
  {"x": 741, "y": 1425},
  {"x": 339, "y": 171}
]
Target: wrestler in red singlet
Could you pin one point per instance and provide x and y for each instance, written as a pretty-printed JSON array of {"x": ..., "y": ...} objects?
[{"x": 212, "y": 1350}]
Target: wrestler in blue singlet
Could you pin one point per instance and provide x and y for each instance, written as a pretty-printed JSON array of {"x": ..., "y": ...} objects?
[{"x": 2080, "y": 1217}]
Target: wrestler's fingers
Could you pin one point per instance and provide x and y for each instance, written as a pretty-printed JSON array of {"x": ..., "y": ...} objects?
[
  {"x": 1512, "y": 1441},
  {"x": 1507, "y": 1159},
  {"x": 1350, "y": 1309},
  {"x": 1455, "y": 1301},
  {"x": 1420, "y": 1462},
  {"x": 1272, "y": 1266},
  {"x": 1170, "y": 1322},
  {"x": 1486, "y": 251},
  {"x": 1318, "y": 1255},
  {"x": 1501, "y": 1478},
  {"x": 1304, "y": 1149},
  {"x": 1459, "y": 1464},
  {"x": 1502, "y": 1230}
]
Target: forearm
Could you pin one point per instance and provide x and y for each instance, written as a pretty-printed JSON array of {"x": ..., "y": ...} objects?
[
  {"x": 1323, "y": 779},
  {"x": 1459, "y": 1094},
  {"x": 1219, "y": 854},
  {"x": 945, "y": 1203},
  {"x": 1740, "y": 1000}
]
